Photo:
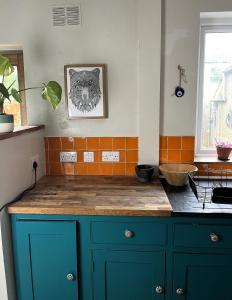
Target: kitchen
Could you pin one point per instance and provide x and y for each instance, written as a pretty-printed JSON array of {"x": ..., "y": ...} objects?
[{"x": 142, "y": 43}]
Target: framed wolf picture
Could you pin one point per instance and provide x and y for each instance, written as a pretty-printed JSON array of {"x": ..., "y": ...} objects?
[{"x": 85, "y": 91}]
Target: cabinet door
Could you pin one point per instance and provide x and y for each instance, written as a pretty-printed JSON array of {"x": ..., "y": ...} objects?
[
  {"x": 128, "y": 275},
  {"x": 202, "y": 276},
  {"x": 46, "y": 260}
]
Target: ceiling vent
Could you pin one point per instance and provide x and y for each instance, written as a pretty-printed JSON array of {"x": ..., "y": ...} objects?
[{"x": 68, "y": 15}]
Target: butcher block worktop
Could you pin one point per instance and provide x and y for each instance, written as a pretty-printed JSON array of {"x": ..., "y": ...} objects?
[{"x": 94, "y": 195}]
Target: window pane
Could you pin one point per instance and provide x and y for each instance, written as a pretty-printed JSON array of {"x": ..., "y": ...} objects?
[
  {"x": 12, "y": 107},
  {"x": 217, "y": 90}
]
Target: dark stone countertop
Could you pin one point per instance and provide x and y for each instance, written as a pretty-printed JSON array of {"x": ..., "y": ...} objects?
[{"x": 185, "y": 203}]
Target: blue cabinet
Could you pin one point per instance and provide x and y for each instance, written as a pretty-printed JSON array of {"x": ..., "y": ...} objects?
[
  {"x": 202, "y": 276},
  {"x": 122, "y": 258},
  {"x": 46, "y": 260},
  {"x": 127, "y": 275}
]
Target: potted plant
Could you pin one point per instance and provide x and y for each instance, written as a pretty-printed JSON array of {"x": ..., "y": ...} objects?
[
  {"x": 50, "y": 92},
  {"x": 223, "y": 150}
]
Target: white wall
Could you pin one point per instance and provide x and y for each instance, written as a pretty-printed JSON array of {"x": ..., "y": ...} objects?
[
  {"x": 181, "y": 20},
  {"x": 149, "y": 55},
  {"x": 16, "y": 174},
  {"x": 124, "y": 34}
]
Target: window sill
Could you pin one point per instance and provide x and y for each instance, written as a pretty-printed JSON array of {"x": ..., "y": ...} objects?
[
  {"x": 20, "y": 131},
  {"x": 210, "y": 159}
]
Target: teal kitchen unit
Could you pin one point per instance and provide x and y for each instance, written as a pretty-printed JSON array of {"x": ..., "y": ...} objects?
[{"x": 122, "y": 258}]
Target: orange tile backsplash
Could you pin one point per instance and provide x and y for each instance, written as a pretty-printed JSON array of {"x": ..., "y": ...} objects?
[
  {"x": 127, "y": 147},
  {"x": 180, "y": 149},
  {"x": 176, "y": 149}
]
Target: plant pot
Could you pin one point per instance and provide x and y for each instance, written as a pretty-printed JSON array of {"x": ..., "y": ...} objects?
[
  {"x": 223, "y": 153},
  {"x": 6, "y": 123}
]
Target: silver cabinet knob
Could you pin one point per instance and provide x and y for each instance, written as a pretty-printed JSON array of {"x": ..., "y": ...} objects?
[
  {"x": 70, "y": 277},
  {"x": 128, "y": 234},
  {"x": 159, "y": 289},
  {"x": 214, "y": 237},
  {"x": 180, "y": 291}
]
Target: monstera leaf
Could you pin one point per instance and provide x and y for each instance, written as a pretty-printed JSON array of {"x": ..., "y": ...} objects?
[
  {"x": 6, "y": 67},
  {"x": 4, "y": 91},
  {"x": 15, "y": 94},
  {"x": 52, "y": 92}
]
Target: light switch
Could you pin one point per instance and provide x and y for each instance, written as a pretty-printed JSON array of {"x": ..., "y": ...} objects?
[{"x": 88, "y": 156}]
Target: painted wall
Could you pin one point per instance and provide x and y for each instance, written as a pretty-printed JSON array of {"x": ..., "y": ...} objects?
[
  {"x": 181, "y": 21},
  {"x": 16, "y": 175},
  {"x": 123, "y": 34}
]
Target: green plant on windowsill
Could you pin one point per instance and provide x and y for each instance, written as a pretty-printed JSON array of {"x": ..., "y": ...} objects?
[{"x": 50, "y": 92}]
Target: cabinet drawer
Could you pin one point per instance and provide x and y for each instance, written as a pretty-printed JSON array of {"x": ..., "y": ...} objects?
[
  {"x": 203, "y": 235},
  {"x": 129, "y": 233}
]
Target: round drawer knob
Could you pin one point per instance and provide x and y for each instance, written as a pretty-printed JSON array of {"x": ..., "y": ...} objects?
[
  {"x": 159, "y": 289},
  {"x": 214, "y": 237},
  {"x": 70, "y": 277},
  {"x": 180, "y": 291},
  {"x": 128, "y": 234}
]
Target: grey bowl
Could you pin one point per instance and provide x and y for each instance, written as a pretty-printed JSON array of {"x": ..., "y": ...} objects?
[{"x": 144, "y": 172}]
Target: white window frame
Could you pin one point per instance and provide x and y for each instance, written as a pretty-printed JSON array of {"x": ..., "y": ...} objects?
[{"x": 204, "y": 29}]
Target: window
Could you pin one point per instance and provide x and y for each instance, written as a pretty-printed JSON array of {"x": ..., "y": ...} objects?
[
  {"x": 13, "y": 107},
  {"x": 214, "y": 118}
]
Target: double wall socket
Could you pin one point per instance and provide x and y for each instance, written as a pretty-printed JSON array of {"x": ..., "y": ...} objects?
[
  {"x": 110, "y": 156},
  {"x": 68, "y": 157}
]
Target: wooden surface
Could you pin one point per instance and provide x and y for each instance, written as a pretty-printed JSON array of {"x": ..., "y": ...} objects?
[
  {"x": 20, "y": 130},
  {"x": 94, "y": 195}
]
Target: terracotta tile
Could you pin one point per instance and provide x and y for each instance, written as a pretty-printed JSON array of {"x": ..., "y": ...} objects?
[
  {"x": 163, "y": 156},
  {"x": 47, "y": 155},
  {"x": 68, "y": 168},
  {"x": 106, "y": 169},
  {"x": 106, "y": 143},
  {"x": 174, "y": 156},
  {"x": 132, "y": 156},
  {"x": 188, "y": 142},
  {"x": 67, "y": 143},
  {"x": 93, "y": 143},
  {"x": 80, "y": 156},
  {"x": 54, "y": 143},
  {"x": 174, "y": 142},
  {"x": 131, "y": 143},
  {"x": 80, "y": 169},
  {"x": 122, "y": 155},
  {"x": 187, "y": 156},
  {"x": 54, "y": 156},
  {"x": 163, "y": 142},
  {"x": 130, "y": 169},
  {"x": 119, "y": 143},
  {"x": 97, "y": 157},
  {"x": 55, "y": 169},
  {"x": 47, "y": 169},
  {"x": 93, "y": 168},
  {"x": 80, "y": 143},
  {"x": 119, "y": 169}
]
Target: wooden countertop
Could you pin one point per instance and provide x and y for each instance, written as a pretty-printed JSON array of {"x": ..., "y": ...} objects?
[{"x": 94, "y": 195}]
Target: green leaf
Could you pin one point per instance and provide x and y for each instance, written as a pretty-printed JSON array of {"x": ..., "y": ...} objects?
[
  {"x": 6, "y": 67},
  {"x": 15, "y": 94},
  {"x": 52, "y": 92},
  {"x": 4, "y": 91}
]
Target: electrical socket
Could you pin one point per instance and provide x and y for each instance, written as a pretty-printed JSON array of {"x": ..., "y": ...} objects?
[
  {"x": 88, "y": 156},
  {"x": 68, "y": 157},
  {"x": 110, "y": 156},
  {"x": 35, "y": 158}
]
